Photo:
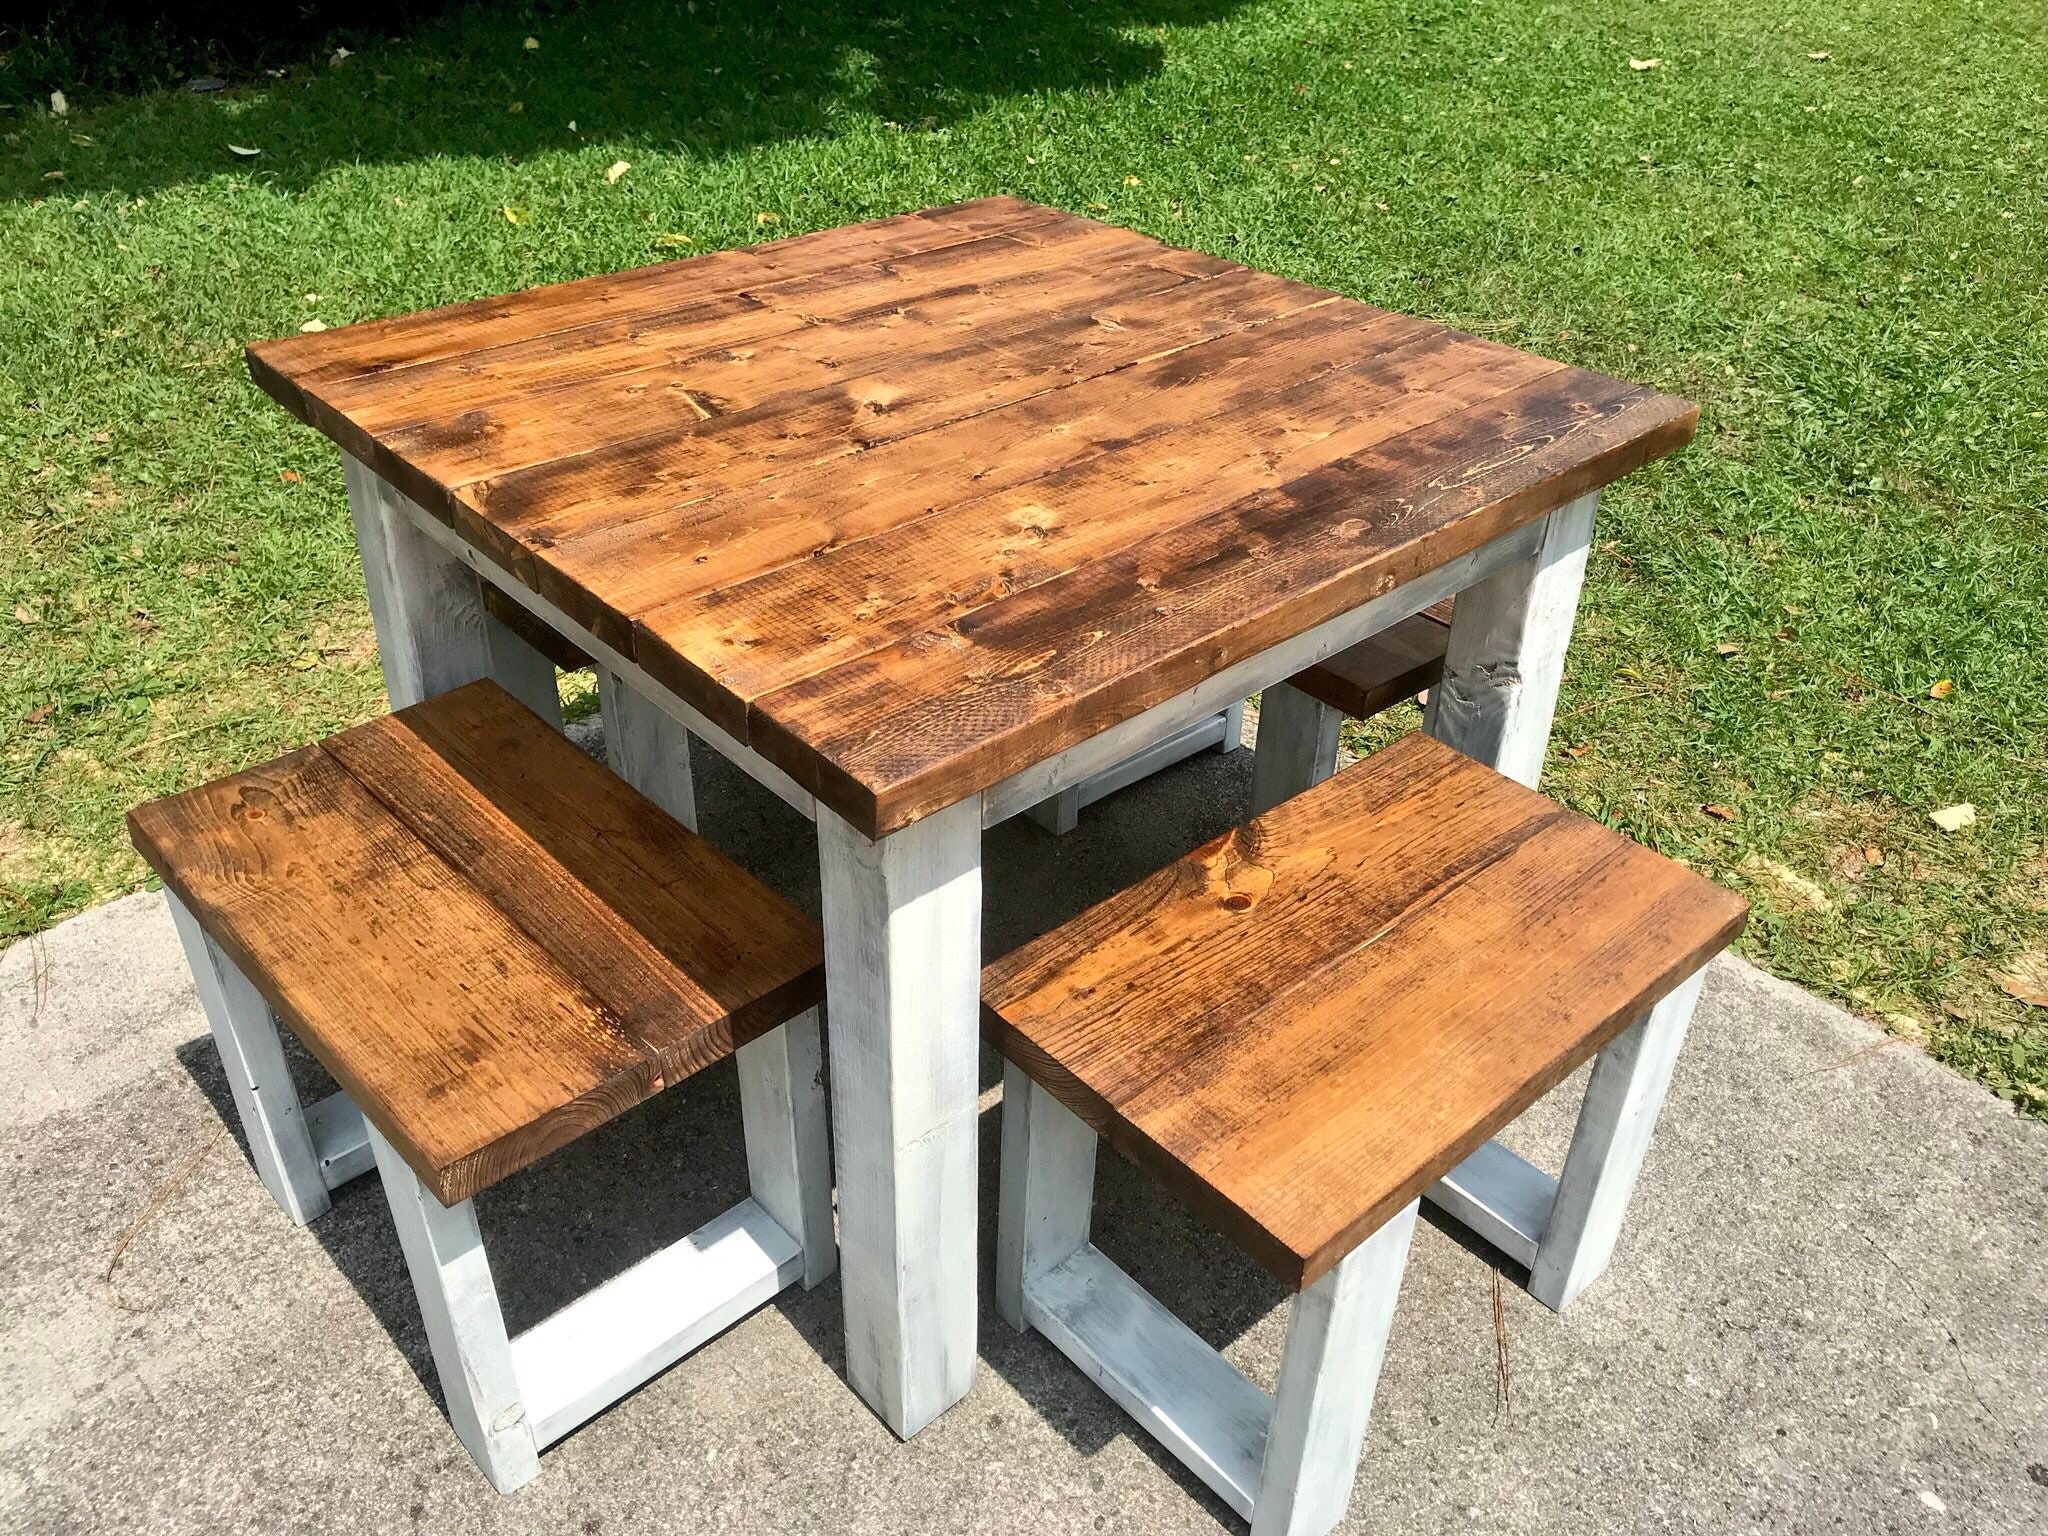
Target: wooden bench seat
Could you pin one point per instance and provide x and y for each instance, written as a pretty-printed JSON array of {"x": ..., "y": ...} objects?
[
  {"x": 1391, "y": 668},
  {"x": 495, "y": 945},
  {"x": 491, "y": 942},
  {"x": 1308, "y": 1023}
]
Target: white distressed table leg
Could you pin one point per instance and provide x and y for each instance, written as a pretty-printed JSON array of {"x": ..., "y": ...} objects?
[
  {"x": 523, "y": 671},
  {"x": 1507, "y": 648},
  {"x": 648, "y": 747},
  {"x": 903, "y": 971},
  {"x": 1048, "y": 1189},
  {"x": 789, "y": 1156},
  {"x": 465, "y": 1327},
  {"x": 1296, "y": 748},
  {"x": 1328, "y": 1372},
  {"x": 1613, "y": 1136},
  {"x": 1233, "y": 728},
  {"x": 252, "y": 1055}
]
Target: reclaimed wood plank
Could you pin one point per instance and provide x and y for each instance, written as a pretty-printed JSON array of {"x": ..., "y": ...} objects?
[{"x": 1400, "y": 961}]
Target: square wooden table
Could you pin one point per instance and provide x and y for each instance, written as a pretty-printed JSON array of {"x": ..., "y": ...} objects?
[{"x": 922, "y": 521}]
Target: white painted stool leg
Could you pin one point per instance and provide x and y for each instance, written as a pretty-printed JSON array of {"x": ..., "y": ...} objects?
[
  {"x": 280, "y": 1142},
  {"x": 1059, "y": 814},
  {"x": 1498, "y": 693},
  {"x": 465, "y": 1328},
  {"x": 1048, "y": 1189},
  {"x": 1296, "y": 748},
  {"x": 648, "y": 747},
  {"x": 903, "y": 971},
  {"x": 1613, "y": 1136},
  {"x": 523, "y": 671},
  {"x": 1323, "y": 1400},
  {"x": 789, "y": 1154}
]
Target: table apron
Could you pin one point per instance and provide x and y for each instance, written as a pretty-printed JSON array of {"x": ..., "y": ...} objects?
[{"x": 1107, "y": 748}]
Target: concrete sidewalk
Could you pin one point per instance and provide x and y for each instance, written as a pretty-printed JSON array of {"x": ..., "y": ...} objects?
[{"x": 1830, "y": 1311}]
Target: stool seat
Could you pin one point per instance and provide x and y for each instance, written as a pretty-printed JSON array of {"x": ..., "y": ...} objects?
[
  {"x": 1304, "y": 1024},
  {"x": 1388, "y": 669},
  {"x": 491, "y": 942}
]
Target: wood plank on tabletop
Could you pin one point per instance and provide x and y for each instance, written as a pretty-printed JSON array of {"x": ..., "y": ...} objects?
[
  {"x": 495, "y": 373},
  {"x": 753, "y": 637},
  {"x": 861, "y": 359},
  {"x": 918, "y": 724},
  {"x": 290, "y": 366}
]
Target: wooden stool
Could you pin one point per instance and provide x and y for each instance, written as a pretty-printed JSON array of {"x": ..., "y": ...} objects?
[
  {"x": 494, "y": 945},
  {"x": 1301, "y": 1028}
]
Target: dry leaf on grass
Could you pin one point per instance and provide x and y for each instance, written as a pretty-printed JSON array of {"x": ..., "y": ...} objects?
[
  {"x": 1727, "y": 648},
  {"x": 1720, "y": 812},
  {"x": 1820, "y": 56},
  {"x": 1941, "y": 690},
  {"x": 614, "y": 171},
  {"x": 1953, "y": 818},
  {"x": 243, "y": 149},
  {"x": 1642, "y": 64},
  {"x": 2026, "y": 978}
]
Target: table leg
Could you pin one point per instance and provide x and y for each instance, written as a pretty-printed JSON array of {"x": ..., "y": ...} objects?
[
  {"x": 428, "y": 608},
  {"x": 1506, "y": 658},
  {"x": 1296, "y": 748},
  {"x": 903, "y": 981}
]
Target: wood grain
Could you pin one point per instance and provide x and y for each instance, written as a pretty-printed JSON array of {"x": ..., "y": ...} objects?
[
  {"x": 914, "y": 504},
  {"x": 491, "y": 942},
  {"x": 1304, "y": 1023}
]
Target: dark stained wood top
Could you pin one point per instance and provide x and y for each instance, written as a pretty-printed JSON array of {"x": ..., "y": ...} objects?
[
  {"x": 1393, "y": 666},
  {"x": 1303, "y": 1024},
  {"x": 492, "y": 943},
  {"x": 912, "y": 505}
]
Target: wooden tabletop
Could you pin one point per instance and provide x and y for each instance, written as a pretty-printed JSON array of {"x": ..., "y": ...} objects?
[{"x": 913, "y": 505}]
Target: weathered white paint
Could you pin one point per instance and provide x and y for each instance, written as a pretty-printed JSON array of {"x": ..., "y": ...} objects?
[
  {"x": 427, "y": 608},
  {"x": 1508, "y": 637},
  {"x": 252, "y": 1056},
  {"x": 1048, "y": 1189},
  {"x": 789, "y": 1150},
  {"x": 1187, "y": 1397},
  {"x": 454, "y": 547},
  {"x": 636, "y": 1325},
  {"x": 465, "y": 1327},
  {"x": 341, "y": 1140},
  {"x": 1336, "y": 1340},
  {"x": 1216, "y": 693},
  {"x": 1498, "y": 1196},
  {"x": 1613, "y": 1136},
  {"x": 1221, "y": 731},
  {"x": 522, "y": 671},
  {"x": 903, "y": 972},
  {"x": 1296, "y": 748},
  {"x": 648, "y": 747}
]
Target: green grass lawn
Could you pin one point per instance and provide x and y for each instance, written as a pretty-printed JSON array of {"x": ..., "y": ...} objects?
[{"x": 1827, "y": 223}]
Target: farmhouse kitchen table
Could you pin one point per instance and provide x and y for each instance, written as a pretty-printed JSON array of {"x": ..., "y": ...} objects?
[{"x": 923, "y": 521}]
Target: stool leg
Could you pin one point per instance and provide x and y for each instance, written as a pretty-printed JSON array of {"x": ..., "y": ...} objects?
[
  {"x": 1335, "y": 1342},
  {"x": 465, "y": 1328},
  {"x": 648, "y": 747},
  {"x": 1613, "y": 1135},
  {"x": 1047, "y": 1193},
  {"x": 522, "y": 671},
  {"x": 280, "y": 1144},
  {"x": 789, "y": 1149},
  {"x": 1296, "y": 747}
]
